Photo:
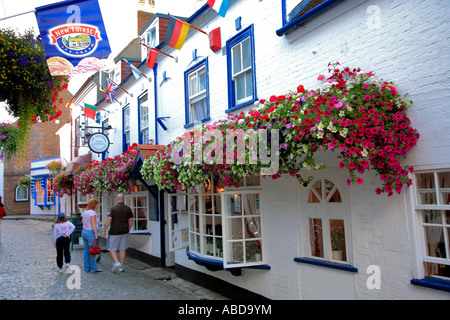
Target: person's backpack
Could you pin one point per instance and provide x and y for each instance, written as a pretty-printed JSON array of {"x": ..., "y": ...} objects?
[{"x": 2, "y": 212}]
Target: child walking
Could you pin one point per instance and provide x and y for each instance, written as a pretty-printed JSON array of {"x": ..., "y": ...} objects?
[{"x": 61, "y": 240}]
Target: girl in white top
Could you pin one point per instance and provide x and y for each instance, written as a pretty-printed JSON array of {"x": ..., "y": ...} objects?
[{"x": 61, "y": 240}]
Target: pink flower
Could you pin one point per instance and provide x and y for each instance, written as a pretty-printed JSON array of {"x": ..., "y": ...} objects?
[
  {"x": 359, "y": 180},
  {"x": 321, "y": 77}
]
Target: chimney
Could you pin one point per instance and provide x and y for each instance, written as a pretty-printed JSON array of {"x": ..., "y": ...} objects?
[{"x": 143, "y": 18}]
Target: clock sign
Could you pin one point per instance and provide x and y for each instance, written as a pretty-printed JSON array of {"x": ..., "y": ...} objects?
[{"x": 98, "y": 142}]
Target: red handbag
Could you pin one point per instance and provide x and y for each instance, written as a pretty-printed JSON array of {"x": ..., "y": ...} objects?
[{"x": 94, "y": 249}]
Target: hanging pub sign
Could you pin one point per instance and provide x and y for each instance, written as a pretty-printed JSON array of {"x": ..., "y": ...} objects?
[
  {"x": 98, "y": 142},
  {"x": 73, "y": 36}
]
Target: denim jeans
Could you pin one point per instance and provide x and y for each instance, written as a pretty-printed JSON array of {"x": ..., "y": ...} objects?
[{"x": 90, "y": 265}]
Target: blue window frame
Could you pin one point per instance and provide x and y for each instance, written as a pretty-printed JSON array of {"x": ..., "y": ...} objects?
[
  {"x": 144, "y": 124},
  {"x": 105, "y": 123},
  {"x": 196, "y": 89},
  {"x": 241, "y": 69},
  {"x": 126, "y": 128},
  {"x": 297, "y": 12},
  {"x": 43, "y": 191}
]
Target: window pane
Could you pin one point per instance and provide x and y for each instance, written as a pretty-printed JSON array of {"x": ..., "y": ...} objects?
[
  {"x": 337, "y": 234},
  {"x": 425, "y": 181},
  {"x": 246, "y": 54},
  {"x": 435, "y": 242},
  {"x": 316, "y": 237},
  {"x": 198, "y": 111},
  {"x": 432, "y": 216},
  {"x": 253, "y": 251},
  {"x": 444, "y": 184},
  {"x": 248, "y": 84},
  {"x": 252, "y": 228},
  {"x": 236, "y": 53},
  {"x": 201, "y": 79},
  {"x": 240, "y": 87},
  {"x": 236, "y": 252}
]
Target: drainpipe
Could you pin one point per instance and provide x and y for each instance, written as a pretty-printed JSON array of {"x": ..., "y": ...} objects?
[{"x": 159, "y": 201}]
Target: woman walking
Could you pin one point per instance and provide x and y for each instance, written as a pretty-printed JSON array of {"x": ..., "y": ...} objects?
[
  {"x": 61, "y": 240},
  {"x": 89, "y": 234}
]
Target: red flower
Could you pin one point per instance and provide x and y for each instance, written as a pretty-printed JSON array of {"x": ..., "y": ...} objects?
[{"x": 300, "y": 88}]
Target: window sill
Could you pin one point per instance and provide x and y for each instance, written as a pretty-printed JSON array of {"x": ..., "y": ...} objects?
[
  {"x": 242, "y": 105},
  {"x": 327, "y": 264},
  {"x": 432, "y": 283},
  {"x": 217, "y": 265},
  {"x": 188, "y": 125}
]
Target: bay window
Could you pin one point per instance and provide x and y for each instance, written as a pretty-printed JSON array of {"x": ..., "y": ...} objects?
[{"x": 219, "y": 225}]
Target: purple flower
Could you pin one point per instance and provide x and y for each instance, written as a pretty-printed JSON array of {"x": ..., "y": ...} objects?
[{"x": 23, "y": 61}]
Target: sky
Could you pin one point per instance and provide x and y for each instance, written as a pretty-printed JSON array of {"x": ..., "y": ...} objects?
[{"x": 119, "y": 34}]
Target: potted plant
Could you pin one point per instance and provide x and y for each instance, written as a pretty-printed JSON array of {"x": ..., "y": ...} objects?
[{"x": 337, "y": 241}]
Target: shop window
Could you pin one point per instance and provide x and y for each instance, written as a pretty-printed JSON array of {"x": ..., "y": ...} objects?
[
  {"x": 44, "y": 193},
  {"x": 21, "y": 193},
  {"x": 223, "y": 225},
  {"x": 433, "y": 212},
  {"x": 139, "y": 205}
]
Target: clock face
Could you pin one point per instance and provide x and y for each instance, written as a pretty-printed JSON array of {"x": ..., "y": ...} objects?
[{"x": 98, "y": 142}]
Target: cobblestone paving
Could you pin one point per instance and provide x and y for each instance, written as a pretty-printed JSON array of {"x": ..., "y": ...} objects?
[{"x": 28, "y": 271}]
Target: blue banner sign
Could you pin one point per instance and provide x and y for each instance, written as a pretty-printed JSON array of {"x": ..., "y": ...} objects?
[{"x": 72, "y": 32}]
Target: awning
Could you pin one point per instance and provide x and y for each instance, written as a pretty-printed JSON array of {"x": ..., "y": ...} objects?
[{"x": 78, "y": 162}]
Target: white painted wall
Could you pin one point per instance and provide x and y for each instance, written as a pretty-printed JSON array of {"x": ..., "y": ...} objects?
[{"x": 410, "y": 47}]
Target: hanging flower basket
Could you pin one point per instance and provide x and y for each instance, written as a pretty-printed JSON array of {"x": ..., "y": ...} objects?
[
  {"x": 110, "y": 176},
  {"x": 354, "y": 114}
]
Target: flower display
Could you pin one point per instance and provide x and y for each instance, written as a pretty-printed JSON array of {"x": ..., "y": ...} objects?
[
  {"x": 26, "y": 86},
  {"x": 63, "y": 184},
  {"x": 354, "y": 114},
  {"x": 110, "y": 175},
  {"x": 54, "y": 167}
]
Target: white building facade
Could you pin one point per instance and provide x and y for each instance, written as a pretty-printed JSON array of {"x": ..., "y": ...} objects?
[{"x": 390, "y": 244}]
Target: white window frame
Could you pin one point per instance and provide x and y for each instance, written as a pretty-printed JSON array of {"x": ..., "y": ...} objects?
[
  {"x": 195, "y": 93},
  {"x": 144, "y": 123},
  {"x": 235, "y": 75},
  {"x": 19, "y": 199},
  {"x": 438, "y": 206},
  {"x": 183, "y": 234},
  {"x": 326, "y": 216},
  {"x": 129, "y": 202}
]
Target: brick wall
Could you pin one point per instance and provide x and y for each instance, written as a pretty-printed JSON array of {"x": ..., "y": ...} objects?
[{"x": 43, "y": 144}]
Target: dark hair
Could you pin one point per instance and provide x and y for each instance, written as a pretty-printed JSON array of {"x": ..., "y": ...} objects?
[{"x": 61, "y": 220}]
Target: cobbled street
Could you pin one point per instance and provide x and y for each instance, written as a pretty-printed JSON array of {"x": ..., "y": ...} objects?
[{"x": 28, "y": 271}]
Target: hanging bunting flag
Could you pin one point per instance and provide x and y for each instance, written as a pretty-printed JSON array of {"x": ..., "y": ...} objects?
[
  {"x": 89, "y": 111},
  {"x": 72, "y": 31},
  {"x": 220, "y": 6},
  {"x": 176, "y": 33},
  {"x": 136, "y": 72},
  {"x": 151, "y": 58},
  {"x": 152, "y": 54},
  {"x": 110, "y": 91}
]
